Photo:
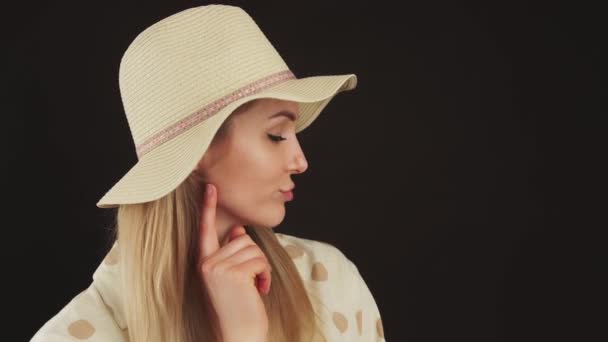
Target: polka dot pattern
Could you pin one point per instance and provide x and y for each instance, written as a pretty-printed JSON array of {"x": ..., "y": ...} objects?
[
  {"x": 81, "y": 329},
  {"x": 294, "y": 251},
  {"x": 359, "y": 318},
  {"x": 319, "y": 272},
  {"x": 379, "y": 327},
  {"x": 340, "y": 322},
  {"x": 347, "y": 305}
]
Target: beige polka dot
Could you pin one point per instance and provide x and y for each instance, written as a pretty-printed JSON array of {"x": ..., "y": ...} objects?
[
  {"x": 112, "y": 257},
  {"x": 359, "y": 316},
  {"x": 340, "y": 322},
  {"x": 81, "y": 329},
  {"x": 319, "y": 272},
  {"x": 379, "y": 327},
  {"x": 294, "y": 251}
]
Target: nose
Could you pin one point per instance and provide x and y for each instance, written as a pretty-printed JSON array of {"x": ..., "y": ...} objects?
[{"x": 300, "y": 163}]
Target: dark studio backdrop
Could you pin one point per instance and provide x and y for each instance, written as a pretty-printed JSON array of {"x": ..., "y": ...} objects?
[{"x": 459, "y": 176}]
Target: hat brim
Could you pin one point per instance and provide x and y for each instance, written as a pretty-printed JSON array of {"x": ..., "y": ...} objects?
[{"x": 161, "y": 170}]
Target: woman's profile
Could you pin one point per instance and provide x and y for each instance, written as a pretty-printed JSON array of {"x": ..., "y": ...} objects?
[{"x": 213, "y": 111}]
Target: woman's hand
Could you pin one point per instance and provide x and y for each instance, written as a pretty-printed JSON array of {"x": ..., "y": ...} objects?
[{"x": 233, "y": 274}]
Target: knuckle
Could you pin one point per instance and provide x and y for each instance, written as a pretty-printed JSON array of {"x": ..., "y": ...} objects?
[
  {"x": 257, "y": 251},
  {"x": 243, "y": 239},
  {"x": 207, "y": 268},
  {"x": 253, "y": 248},
  {"x": 253, "y": 262},
  {"x": 260, "y": 260}
]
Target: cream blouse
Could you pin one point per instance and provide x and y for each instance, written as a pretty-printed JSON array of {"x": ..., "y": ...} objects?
[{"x": 345, "y": 303}]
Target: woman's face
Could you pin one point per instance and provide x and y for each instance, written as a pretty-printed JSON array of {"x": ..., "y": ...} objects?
[{"x": 249, "y": 169}]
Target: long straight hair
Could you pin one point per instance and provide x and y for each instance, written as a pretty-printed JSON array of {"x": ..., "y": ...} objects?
[{"x": 163, "y": 293}]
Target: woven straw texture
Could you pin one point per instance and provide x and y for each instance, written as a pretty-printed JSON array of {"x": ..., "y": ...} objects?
[{"x": 183, "y": 76}]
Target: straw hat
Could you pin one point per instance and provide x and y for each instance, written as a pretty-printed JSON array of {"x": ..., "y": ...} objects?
[{"x": 183, "y": 76}]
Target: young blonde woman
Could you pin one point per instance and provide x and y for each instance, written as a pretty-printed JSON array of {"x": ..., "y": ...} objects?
[{"x": 214, "y": 111}]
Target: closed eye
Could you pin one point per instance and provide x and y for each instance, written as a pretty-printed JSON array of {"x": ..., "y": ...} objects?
[{"x": 276, "y": 138}]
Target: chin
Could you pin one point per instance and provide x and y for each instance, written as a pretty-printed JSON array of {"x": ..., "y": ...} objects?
[{"x": 270, "y": 221}]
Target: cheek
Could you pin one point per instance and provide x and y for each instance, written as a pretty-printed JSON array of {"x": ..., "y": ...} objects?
[
  {"x": 257, "y": 165},
  {"x": 253, "y": 207},
  {"x": 248, "y": 173}
]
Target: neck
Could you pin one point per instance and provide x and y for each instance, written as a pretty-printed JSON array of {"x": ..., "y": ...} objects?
[{"x": 223, "y": 224}]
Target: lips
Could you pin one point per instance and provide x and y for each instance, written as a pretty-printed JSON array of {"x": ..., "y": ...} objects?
[
  {"x": 288, "y": 189},
  {"x": 287, "y": 195}
]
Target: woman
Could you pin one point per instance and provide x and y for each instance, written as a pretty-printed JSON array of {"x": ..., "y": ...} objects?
[{"x": 214, "y": 111}]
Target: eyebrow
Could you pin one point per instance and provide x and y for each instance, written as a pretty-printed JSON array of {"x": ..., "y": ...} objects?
[{"x": 286, "y": 113}]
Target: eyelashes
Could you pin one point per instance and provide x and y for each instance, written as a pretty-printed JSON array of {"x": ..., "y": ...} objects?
[{"x": 276, "y": 138}]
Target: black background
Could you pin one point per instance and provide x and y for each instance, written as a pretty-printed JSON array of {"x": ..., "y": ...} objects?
[{"x": 460, "y": 176}]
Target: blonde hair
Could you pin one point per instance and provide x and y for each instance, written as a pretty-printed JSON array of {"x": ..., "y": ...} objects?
[{"x": 163, "y": 294}]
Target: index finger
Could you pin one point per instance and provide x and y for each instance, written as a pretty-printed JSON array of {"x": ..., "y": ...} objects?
[{"x": 208, "y": 239}]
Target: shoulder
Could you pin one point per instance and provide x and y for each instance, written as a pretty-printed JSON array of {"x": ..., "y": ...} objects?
[
  {"x": 298, "y": 246},
  {"x": 84, "y": 317},
  {"x": 317, "y": 261},
  {"x": 337, "y": 290}
]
